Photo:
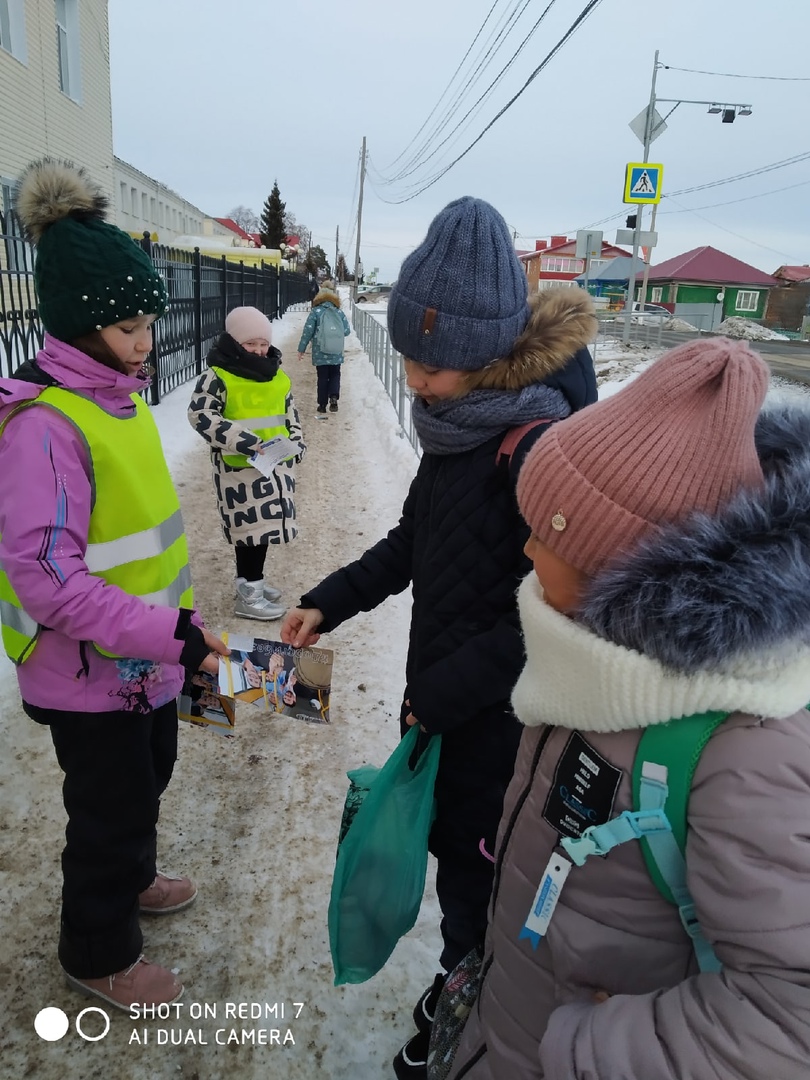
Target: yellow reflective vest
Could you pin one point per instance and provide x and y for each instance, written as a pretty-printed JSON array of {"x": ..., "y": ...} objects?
[
  {"x": 261, "y": 407},
  {"x": 135, "y": 538}
]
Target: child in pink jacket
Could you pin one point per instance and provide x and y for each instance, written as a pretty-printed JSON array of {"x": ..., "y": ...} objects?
[{"x": 95, "y": 593}]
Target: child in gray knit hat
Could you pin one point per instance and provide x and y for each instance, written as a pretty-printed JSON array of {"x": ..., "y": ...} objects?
[{"x": 484, "y": 361}]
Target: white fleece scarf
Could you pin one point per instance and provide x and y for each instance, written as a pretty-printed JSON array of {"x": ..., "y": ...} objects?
[{"x": 574, "y": 679}]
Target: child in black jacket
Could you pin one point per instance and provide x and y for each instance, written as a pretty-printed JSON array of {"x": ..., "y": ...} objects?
[{"x": 482, "y": 361}]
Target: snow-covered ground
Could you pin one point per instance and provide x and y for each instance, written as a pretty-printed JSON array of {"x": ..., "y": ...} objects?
[{"x": 254, "y": 819}]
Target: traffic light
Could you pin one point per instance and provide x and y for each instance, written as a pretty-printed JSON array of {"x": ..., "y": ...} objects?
[{"x": 631, "y": 221}]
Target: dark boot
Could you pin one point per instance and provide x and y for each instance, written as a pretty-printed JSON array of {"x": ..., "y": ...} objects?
[
  {"x": 411, "y": 1061},
  {"x": 425, "y": 1008},
  {"x": 333, "y": 404}
]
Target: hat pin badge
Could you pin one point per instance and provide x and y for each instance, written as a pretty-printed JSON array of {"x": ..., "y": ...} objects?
[{"x": 558, "y": 522}]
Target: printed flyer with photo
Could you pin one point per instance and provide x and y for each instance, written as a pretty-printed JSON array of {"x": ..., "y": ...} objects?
[
  {"x": 275, "y": 676},
  {"x": 200, "y": 703}
]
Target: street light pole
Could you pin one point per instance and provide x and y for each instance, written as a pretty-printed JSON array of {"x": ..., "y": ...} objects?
[{"x": 631, "y": 284}]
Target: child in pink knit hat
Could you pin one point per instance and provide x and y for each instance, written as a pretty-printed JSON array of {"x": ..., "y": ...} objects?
[
  {"x": 671, "y": 550},
  {"x": 239, "y": 404}
]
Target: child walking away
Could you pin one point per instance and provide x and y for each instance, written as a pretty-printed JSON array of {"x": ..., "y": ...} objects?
[
  {"x": 95, "y": 593},
  {"x": 239, "y": 404},
  {"x": 326, "y": 327},
  {"x": 483, "y": 363},
  {"x": 671, "y": 546}
]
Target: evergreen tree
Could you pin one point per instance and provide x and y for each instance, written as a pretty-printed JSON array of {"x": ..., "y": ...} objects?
[
  {"x": 316, "y": 260},
  {"x": 272, "y": 228},
  {"x": 341, "y": 270}
]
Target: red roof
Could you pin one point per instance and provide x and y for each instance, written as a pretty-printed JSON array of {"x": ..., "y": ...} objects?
[
  {"x": 707, "y": 264},
  {"x": 792, "y": 273},
  {"x": 229, "y": 223}
]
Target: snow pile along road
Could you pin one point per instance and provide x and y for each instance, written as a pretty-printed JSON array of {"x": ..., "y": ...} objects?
[{"x": 737, "y": 327}]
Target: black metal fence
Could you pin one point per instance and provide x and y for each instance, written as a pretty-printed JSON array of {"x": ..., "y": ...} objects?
[{"x": 202, "y": 290}]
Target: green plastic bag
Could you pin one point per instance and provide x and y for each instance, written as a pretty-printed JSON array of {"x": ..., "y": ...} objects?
[{"x": 382, "y": 858}]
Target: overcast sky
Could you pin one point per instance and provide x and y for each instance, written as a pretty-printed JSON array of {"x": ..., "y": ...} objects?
[{"x": 217, "y": 99}]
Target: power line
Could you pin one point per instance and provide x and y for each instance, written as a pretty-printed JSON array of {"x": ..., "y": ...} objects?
[
  {"x": 740, "y": 236},
  {"x": 482, "y": 98},
  {"x": 732, "y": 75},
  {"x": 589, "y": 8},
  {"x": 744, "y": 175},
  {"x": 747, "y": 198},
  {"x": 450, "y": 83},
  {"x": 483, "y": 63}
]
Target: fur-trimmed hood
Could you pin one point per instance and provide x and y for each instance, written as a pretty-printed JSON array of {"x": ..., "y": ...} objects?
[
  {"x": 562, "y": 322},
  {"x": 708, "y": 592},
  {"x": 324, "y": 296}
]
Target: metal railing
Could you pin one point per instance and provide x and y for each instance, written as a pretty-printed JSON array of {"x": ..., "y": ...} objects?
[
  {"x": 202, "y": 290},
  {"x": 387, "y": 367}
]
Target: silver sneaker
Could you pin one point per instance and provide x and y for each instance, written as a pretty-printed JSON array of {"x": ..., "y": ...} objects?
[
  {"x": 271, "y": 594},
  {"x": 251, "y": 602}
]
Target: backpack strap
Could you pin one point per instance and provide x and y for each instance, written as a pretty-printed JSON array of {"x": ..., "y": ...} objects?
[
  {"x": 665, "y": 765},
  {"x": 514, "y": 436}
]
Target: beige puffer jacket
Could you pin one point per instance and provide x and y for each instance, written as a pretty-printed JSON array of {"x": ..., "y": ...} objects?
[{"x": 748, "y": 852}]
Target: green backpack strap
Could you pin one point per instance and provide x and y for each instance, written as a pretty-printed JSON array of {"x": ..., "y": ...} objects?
[{"x": 676, "y": 747}]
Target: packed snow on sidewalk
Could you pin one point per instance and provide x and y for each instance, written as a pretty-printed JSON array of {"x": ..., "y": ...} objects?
[{"x": 255, "y": 818}]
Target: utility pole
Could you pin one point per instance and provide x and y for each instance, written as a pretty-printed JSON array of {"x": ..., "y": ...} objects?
[
  {"x": 360, "y": 218},
  {"x": 631, "y": 284},
  {"x": 337, "y": 245}
]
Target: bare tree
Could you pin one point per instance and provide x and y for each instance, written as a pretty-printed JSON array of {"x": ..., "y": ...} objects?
[{"x": 245, "y": 218}]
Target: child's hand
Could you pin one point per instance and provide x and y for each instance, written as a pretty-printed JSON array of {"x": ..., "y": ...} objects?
[
  {"x": 601, "y": 996},
  {"x": 410, "y": 719},
  {"x": 301, "y": 356},
  {"x": 218, "y": 648},
  {"x": 298, "y": 628}
]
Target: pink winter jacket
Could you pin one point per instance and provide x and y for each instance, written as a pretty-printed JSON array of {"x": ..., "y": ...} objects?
[
  {"x": 683, "y": 628},
  {"x": 45, "y": 503}
]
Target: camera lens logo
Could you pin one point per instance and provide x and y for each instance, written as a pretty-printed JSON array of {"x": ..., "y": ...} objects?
[{"x": 52, "y": 1024}]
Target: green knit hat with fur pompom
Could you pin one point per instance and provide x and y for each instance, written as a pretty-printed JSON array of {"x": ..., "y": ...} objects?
[{"x": 88, "y": 273}]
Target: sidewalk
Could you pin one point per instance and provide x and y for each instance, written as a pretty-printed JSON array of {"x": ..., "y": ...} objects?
[{"x": 253, "y": 819}]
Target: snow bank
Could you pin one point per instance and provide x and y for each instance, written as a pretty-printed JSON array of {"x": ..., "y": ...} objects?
[{"x": 737, "y": 327}]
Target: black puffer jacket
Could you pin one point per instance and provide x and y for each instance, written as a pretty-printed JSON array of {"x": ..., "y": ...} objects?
[{"x": 460, "y": 542}]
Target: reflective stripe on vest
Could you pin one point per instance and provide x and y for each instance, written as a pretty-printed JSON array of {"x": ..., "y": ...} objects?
[
  {"x": 261, "y": 407},
  {"x": 135, "y": 535}
]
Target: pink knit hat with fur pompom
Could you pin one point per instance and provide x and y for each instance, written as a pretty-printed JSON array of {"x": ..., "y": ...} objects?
[
  {"x": 678, "y": 439},
  {"x": 247, "y": 323}
]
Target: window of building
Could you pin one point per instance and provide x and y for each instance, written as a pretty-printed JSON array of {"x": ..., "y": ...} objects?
[
  {"x": 67, "y": 47},
  {"x": 144, "y": 206},
  {"x": 124, "y": 208},
  {"x": 559, "y": 264},
  {"x": 657, "y": 294},
  {"x": 153, "y": 210},
  {"x": 133, "y": 201},
  {"x": 12, "y": 28},
  {"x": 747, "y": 301}
]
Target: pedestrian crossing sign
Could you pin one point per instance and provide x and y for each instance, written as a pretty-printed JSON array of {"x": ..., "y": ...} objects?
[{"x": 642, "y": 182}]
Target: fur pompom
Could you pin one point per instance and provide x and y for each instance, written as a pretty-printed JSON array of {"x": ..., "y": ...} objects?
[{"x": 50, "y": 190}]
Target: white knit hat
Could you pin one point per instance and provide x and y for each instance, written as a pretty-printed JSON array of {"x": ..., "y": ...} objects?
[{"x": 247, "y": 323}]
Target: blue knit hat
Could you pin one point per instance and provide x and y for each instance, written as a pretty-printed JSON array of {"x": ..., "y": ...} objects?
[{"x": 461, "y": 299}]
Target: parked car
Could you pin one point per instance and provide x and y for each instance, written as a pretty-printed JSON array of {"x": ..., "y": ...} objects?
[
  {"x": 650, "y": 314},
  {"x": 371, "y": 293}
]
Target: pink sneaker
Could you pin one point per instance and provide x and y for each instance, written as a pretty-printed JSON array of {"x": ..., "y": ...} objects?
[
  {"x": 141, "y": 984},
  {"x": 167, "y": 894}
]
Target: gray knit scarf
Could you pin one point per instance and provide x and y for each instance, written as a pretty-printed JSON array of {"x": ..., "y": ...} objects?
[{"x": 459, "y": 424}]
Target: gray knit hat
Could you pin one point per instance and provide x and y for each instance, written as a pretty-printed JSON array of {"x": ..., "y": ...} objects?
[{"x": 461, "y": 299}]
